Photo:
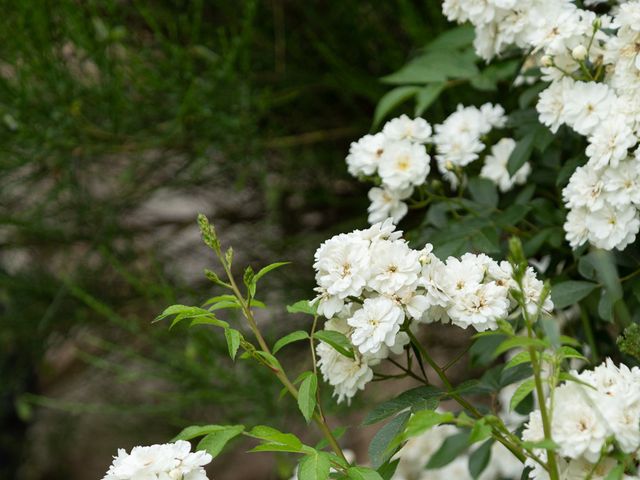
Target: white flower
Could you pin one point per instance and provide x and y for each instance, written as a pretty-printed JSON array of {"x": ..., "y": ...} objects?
[
  {"x": 578, "y": 428},
  {"x": 587, "y": 105},
  {"x": 403, "y": 164},
  {"x": 342, "y": 265},
  {"x": 585, "y": 189},
  {"x": 551, "y": 104},
  {"x": 533, "y": 288},
  {"x": 575, "y": 227},
  {"x": 610, "y": 142},
  {"x": 495, "y": 166},
  {"x": 622, "y": 183},
  {"x": 344, "y": 374},
  {"x": 388, "y": 204},
  {"x": 480, "y": 307},
  {"x": 403, "y": 128},
  {"x": 377, "y": 323},
  {"x": 393, "y": 266},
  {"x": 171, "y": 461},
  {"x": 613, "y": 227},
  {"x": 364, "y": 155}
]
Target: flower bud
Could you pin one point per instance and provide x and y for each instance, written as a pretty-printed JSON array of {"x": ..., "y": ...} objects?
[
  {"x": 546, "y": 61},
  {"x": 579, "y": 53}
]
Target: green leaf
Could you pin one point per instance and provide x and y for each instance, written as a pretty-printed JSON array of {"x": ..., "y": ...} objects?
[
  {"x": 287, "y": 339},
  {"x": 480, "y": 431},
  {"x": 336, "y": 340},
  {"x": 570, "y": 292},
  {"x": 184, "y": 312},
  {"x": 427, "y": 95},
  {"x": 450, "y": 449},
  {"x": 214, "y": 442},
  {"x": 545, "y": 444},
  {"x": 387, "y": 470},
  {"x": 617, "y": 473},
  {"x": 390, "y": 101},
  {"x": 302, "y": 306},
  {"x": 570, "y": 352},
  {"x": 314, "y": 467},
  {"x": 270, "y": 360},
  {"x": 263, "y": 271},
  {"x": 519, "y": 358},
  {"x": 307, "y": 396},
  {"x": 200, "y": 430},
  {"x": 425, "y": 420},
  {"x": 415, "y": 397},
  {"x": 453, "y": 39},
  {"x": 524, "y": 389},
  {"x": 363, "y": 473},
  {"x": 380, "y": 448},
  {"x": 520, "y": 154},
  {"x": 483, "y": 191},
  {"x": 249, "y": 280},
  {"x": 276, "y": 437},
  {"x": 519, "y": 342},
  {"x": 479, "y": 459},
  {"x": 233, "y": 337}
]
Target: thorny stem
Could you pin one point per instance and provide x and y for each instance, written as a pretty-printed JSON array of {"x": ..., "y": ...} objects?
[
  {"x": 461, "y": 401},
  {"x": 282, "y": 376}
]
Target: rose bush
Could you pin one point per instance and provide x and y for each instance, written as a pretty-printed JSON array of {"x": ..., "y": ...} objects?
[{"x": 521, "y": 218}]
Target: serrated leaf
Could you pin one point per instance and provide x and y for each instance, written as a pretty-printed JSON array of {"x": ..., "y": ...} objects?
[
  {"x": 483, "y": 191},
  {"x": 479, "y": 459},
  {"x": 450, "y": 449},
  {"x": 570, "y": 292},
  {"x": 524, "y": 389},
  {"x": 303, "y": 306},
  {"x": 233, "y": 337},
  {"x": 307, "y": 396},
  {"x": 336, "y": 340},
  {"x": 214, "y": 442},
  {"x": 390, "y": 101},
  {"x": 410, "y": 398},
  {"x": 314, "y": 467},
  {"x": 291, "y": 338},
  {"x": 380, "y": 448},
  {"x": 363, "y": 473}
]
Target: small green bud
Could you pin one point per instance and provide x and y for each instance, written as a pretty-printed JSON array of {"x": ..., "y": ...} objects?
[{"x": 208, "y": 233}]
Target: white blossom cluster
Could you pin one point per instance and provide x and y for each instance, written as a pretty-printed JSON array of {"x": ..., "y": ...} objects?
[
  {"x": 415, "y": 454},
  {"x": 589, "y": 422},
  {"x": 572, "y": 45},
  {"x": 170, "y": 461},
  {"x": 398, "y": 156},
  {"x": 372, "y": 285}
]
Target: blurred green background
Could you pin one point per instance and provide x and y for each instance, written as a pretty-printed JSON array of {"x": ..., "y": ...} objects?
[{"x": 119, "y": 122}]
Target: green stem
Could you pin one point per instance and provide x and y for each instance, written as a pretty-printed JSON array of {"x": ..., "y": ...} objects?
[
  {"x": 459, "y": 399},
  {"x": 282, "y": 376}
]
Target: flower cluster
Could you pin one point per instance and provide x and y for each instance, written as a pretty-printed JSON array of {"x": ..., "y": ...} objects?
[
  {"x": 397, "y": 157},
  {"x": 170, "y": 461},
  {"x": 374, "y": 288},
  {"x": 590, "y": 422},
  {"x": 593, "y": 67}
]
